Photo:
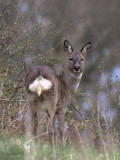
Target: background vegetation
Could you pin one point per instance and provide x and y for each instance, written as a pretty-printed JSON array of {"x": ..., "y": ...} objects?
[{"x": 32, "y": 33}]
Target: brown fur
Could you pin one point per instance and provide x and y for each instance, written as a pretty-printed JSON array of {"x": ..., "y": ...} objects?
[{"x": 58, "y": 98}]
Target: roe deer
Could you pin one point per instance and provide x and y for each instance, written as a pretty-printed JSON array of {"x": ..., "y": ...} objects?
[{"x": 44, "y": 87}]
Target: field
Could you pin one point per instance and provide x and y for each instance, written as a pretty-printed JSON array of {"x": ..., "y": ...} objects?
[
  {"x": 33, "y": 33},
  {"x": 13, "y": 149}
]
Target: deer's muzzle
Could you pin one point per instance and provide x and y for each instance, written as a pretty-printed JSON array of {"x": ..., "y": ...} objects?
[{"x": 77, "y": 69}]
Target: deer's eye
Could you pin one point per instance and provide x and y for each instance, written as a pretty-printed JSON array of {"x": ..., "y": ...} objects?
[
  {"x": 82, "y": 59},
  {"x": 71, "y": 58}
]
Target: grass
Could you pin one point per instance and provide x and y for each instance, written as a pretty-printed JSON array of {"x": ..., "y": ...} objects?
[{"x": 13, "y": 149}]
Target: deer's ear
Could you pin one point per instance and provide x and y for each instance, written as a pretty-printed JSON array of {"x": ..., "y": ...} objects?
[
  {"x": 86, "y": 48},
  {"x": 67, "y": 47}
]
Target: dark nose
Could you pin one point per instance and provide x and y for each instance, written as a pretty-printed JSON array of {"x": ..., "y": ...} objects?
[{"x": 77, "y": 68}]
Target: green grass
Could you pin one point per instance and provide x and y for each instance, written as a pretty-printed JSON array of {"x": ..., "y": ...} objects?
[{"x": 13, "y": 149}]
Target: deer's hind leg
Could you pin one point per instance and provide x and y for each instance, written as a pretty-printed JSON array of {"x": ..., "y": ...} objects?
[
  {"x": 34, "y": 102},
  {"x": 35, "y": 123},
  {"x": 31, "y": 130},
  {"x": 61, "y": 120},
  {"x": 51, "y": 107}
]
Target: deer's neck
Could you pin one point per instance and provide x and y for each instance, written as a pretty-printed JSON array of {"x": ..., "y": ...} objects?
[{"x": 71, "y": 80}]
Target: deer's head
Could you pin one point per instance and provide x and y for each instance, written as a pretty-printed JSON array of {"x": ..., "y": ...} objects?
[{"x": 76, "y": 58}]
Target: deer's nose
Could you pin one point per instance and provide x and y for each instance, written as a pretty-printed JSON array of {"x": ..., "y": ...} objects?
[{"x": 77, "y": 68}]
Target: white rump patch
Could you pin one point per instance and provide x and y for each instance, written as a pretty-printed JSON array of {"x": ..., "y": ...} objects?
[{"x": 44, "y": 83}]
